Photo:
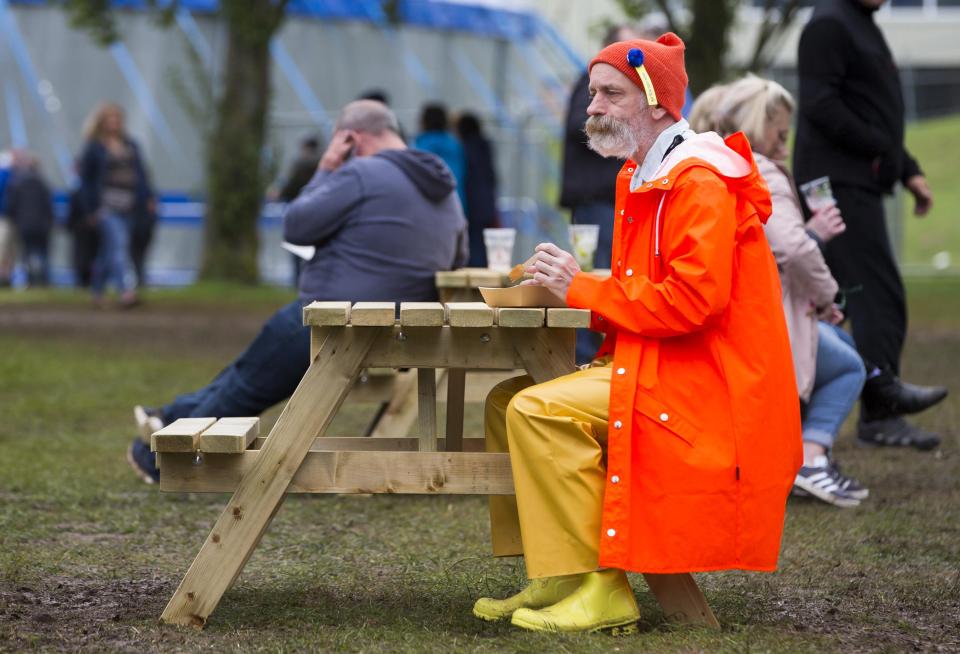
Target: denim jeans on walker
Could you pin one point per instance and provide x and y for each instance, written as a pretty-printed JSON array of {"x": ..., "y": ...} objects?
[
  {"x": 267, "y": 372},
  {"x": 112, "y": 265},
  {"x": 839, "y": 378}
]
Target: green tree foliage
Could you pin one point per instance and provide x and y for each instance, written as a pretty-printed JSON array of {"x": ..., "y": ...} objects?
[
  {"x": 235, "y": 175},
  {"x": 704, "y": 25}
]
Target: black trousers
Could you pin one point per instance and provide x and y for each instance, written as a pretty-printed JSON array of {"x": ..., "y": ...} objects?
[{"x": 862, "y": 261}]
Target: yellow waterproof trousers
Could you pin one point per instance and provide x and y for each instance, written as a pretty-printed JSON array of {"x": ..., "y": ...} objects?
[{"x": 556, "y": 434}]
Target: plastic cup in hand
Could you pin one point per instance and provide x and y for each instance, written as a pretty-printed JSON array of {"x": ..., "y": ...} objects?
[
  {"x": 818, "y": 194},
  {"x": 499, "y": 244},
  {"x": 583, "y": 242}
]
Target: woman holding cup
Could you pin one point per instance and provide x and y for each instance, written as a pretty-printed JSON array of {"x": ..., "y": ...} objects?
[{"x": 830, "y": 373}]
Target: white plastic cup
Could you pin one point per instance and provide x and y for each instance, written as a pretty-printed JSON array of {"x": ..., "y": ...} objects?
[
  {"x": 499, "y": 244},
  {"x": 583, "y": 242},
  {"x": 817, "y": 193}
]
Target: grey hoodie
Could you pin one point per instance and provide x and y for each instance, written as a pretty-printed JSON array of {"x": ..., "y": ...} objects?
[{"x": 382, "y": 226}]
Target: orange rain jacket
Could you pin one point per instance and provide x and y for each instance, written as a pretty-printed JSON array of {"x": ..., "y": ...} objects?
[{"x": 704, "y": 428}]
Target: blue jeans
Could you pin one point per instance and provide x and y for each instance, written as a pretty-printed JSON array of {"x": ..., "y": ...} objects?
[
  {"x": 839, "y": 378},
  {"x": 595, "y": 213},
  {"x": 267, "y": 372},
  {"x": 112, "y": 265}
]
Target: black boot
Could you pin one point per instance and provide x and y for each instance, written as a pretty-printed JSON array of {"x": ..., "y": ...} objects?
[
  {"x": 895, "y": 432},
  {"x": 885, "y": 396}
]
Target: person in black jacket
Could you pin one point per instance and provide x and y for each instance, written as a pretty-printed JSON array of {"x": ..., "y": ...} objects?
[
  {"x": 850, "y": 127},
  {"x": 480, "y": 185},
  {"x": 29, "y": 205}
]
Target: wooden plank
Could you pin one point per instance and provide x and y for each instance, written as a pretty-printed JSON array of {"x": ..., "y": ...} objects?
[
  {"x": 374, "y": 388},
  {"x": 384, "y": 444},
  {"x": 230, "y": 435},
  {"x": 326, "y": 314},
  {"x": 427, "y": 408},
  {"x": 401, "y": 412},
  {"x": 317, "y": 336},
  {"x": 681, "y": 599},
  {"x": 469, "y": 314},
  {"x": 521, "y": 316},
  {"x": 489, "y": 278},
  {"x": 421, "y": 314},
  {"x": 579, "y": 318},
  {"x": 452, "y": 278},
  {"x": 181, "y": 435},
  {"x": 342, "y": 472},
  {"x": 546, "y": 353},
  {"x": 261, "y": 487},
  {"x": 373, "y": 314},
  {"x": 446, "y": 347},
  {"x": 456, "y": 385}
]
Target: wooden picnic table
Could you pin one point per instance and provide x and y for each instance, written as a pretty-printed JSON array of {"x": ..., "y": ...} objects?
[
  {"x": 461, "y": 285},
  {"x": 227, "y": 455}
]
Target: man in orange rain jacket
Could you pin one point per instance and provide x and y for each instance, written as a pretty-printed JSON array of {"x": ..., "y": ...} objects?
[{"x": 676, "y": 450}]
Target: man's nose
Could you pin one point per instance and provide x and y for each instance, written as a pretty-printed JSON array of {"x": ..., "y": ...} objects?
[{"x": 596, "y": 107}]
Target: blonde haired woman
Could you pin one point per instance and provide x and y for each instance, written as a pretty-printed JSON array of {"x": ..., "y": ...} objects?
[
  {"x": 117, "y": 200},
  {"x": 830, "y": 373}
]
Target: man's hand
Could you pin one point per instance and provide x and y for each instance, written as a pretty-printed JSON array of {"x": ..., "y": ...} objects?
[
  {"x": 826, "y": 223},
  {"x": 336, "y": 153},
  {"x": 922, "y": 195},
  {"x": 553, "y": 268}
]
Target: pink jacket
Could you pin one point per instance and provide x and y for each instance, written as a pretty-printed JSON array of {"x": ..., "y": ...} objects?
[{"x": 804, "y": 277}]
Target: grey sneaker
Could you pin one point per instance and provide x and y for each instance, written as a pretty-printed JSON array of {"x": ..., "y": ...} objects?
[
  {"x": 849, "y": 485},
  {"x": 823, "y": 482}
]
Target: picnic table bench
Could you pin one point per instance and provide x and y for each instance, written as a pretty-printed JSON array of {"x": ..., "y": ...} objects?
[{"x": 229, "y": 454}]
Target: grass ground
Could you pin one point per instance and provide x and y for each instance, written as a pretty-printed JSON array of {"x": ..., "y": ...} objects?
[
  {"x": 89, "y": 555},
  {"x": 934, "y": 143}
]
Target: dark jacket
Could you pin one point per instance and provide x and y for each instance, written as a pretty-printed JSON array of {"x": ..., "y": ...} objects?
[
  {"x": 300, "y": 175},
  {"x": 587, "y": 177},
  {"x": 29, "y": 205},
  {"x": 92, "y": 168},
  {"x": 850, "y": 121},
  {"x": 383, "y": 226},
  {"x": 481, "y": 194}
]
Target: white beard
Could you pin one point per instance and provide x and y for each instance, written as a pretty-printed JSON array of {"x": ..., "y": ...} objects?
[{"x": 610, "y": 137}]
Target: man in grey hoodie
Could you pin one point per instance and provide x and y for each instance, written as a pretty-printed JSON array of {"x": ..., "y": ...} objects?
[{"x": 383, "y": 219}]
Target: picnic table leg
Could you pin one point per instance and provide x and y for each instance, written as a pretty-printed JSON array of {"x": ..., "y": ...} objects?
[
  {"x": 258, "y": 497},
  {"x": 546, "y": 353},
  {"x": 456, "y": 385},
  {"x": 681, "y": 599}
]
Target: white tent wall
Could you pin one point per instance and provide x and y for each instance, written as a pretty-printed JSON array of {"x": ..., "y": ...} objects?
[{"x": 336, "y": 60}]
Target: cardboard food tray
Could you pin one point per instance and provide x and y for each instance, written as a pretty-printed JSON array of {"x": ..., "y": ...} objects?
[{"x": 521, "y": 296}]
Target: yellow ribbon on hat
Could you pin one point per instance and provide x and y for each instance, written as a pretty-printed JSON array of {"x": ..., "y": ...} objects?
[{"x": 635, "y": 59}]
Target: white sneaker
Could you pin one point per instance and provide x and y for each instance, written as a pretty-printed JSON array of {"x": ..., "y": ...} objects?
[{"x": 147, "y": 422}]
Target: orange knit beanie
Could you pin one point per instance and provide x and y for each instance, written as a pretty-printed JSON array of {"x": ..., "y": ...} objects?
[{"x": 663, "y": 61}]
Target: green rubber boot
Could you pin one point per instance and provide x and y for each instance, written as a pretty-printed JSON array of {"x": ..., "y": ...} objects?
[
  {"x": 538, "y": 594},
  {"x": 604, "y": 601}
]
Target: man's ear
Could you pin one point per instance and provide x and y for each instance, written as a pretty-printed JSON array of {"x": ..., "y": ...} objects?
[{"x": 658, "y": 112}]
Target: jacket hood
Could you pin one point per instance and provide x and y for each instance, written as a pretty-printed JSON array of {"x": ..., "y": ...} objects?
[
  {"x": 730, "y": 158},
  {"x": 427, "y": 172}
]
